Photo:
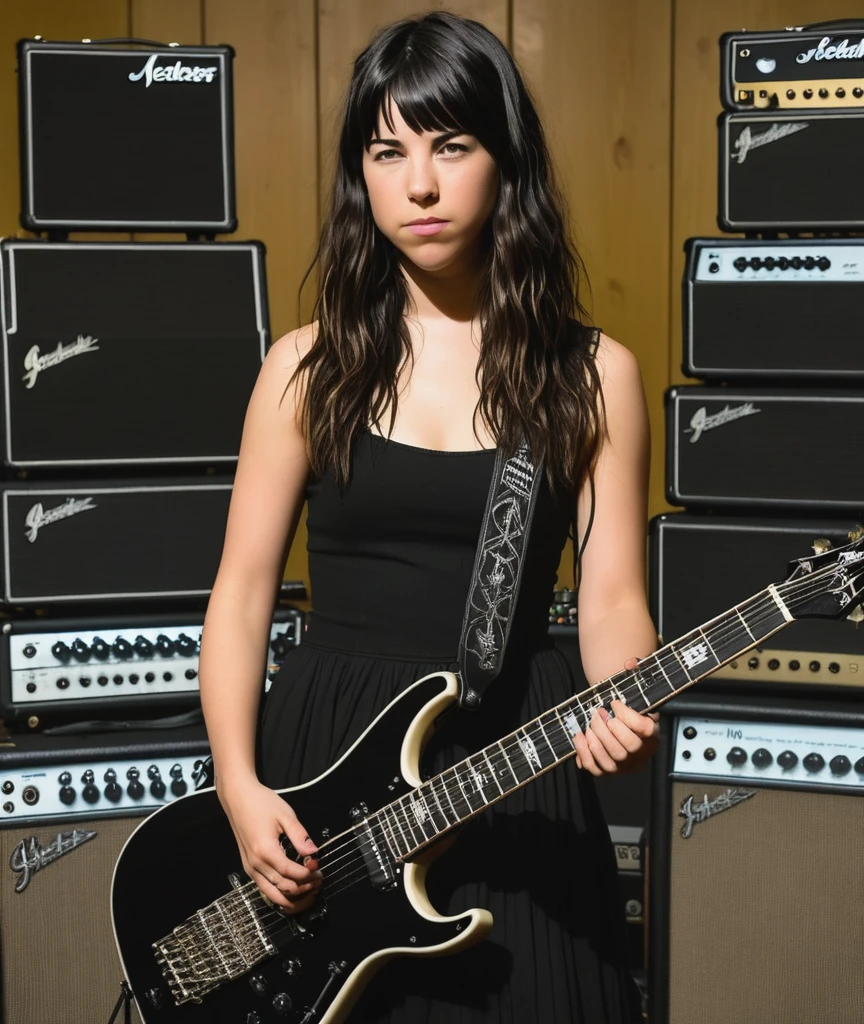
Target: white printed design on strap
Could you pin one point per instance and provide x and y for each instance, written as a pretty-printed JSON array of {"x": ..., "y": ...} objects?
[{"x": 500, "y": 559}]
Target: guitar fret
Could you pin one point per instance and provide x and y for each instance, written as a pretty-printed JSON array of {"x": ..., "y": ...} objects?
[
  {"x": 456, "y": 815},
  {"x": 493, "y": 772},
  {"x": 529, "y": 751},
  {"x": 447, "y": 824},
  {"x": 420, "y": 810},
  {"x": 545, "y": 737},
  {"x": 744, "y": 623},
  {"x": 509, "y": 763},
  {"x": 399, "y": 827},
  {"x": 408, "y": 814}
]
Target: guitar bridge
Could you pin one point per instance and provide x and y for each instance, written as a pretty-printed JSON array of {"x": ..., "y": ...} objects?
[{"x": 214, "y": 946}]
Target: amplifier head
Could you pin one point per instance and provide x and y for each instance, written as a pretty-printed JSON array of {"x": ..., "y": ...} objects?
[
  {"x": 167, "y": 163},
  {"x": 791, "y": 171},
  {"x": 781, "y": 310},
  {"x": 809, "y": 68}
]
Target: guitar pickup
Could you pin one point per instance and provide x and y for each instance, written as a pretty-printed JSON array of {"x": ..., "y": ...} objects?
[{"x": 374, "y": 850}]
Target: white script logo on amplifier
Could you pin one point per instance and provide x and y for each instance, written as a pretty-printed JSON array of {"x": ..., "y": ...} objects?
[
  {"x": 37, "y": 517},
  {"x": 176, "y": 72},
  {"x": 35, "y": 363},
  {"x": 842, "y": 51},
  {"x": 701, "y": 421},
  {"x": 747, "y": 140},
  {"x": 29, "y": 856},
  {"x": 708, "y": 808}
]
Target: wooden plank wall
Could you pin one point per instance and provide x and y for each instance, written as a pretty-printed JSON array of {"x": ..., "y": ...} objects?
[{"x": 629, "y": 93}]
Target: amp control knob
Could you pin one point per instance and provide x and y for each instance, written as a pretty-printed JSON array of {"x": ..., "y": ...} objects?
[
  {"x": 101, "y": 650},
  {"x": 113, "y": 792},
  {"x": 740, "y": 264},
  {"x": 859, "y": 766},
  {"x": 186, "y": 645},
  {"x": 61, "y": 651},
  {"x": 143, "y": 647},
  {"x": 736, "y": 756},
  {"x": 81, "y": 651},
  {"x": 814, "y": 762},
  {"x": 134, "y": 789},
  {"x": 165, "y": 646},
  {"x": 840, "y": 765},
  {"x": 762, "y": 757},
  {"x": 787, "y": 759},
  {"x": 178, "y": 786},
  {"x": 157, "y": 786},
  {"x": 122, "y": 648},
  {"x": 90, "y": 793}
]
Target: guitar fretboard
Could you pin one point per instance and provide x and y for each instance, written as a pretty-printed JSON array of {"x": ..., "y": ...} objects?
[{"x": 462, "y": 791}]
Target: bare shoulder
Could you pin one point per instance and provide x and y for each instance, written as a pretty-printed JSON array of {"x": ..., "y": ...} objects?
[
  {"x": 618, "y": 367},
  {"x": 286, "y": 352},
  {"x": 283, "y": 358}
]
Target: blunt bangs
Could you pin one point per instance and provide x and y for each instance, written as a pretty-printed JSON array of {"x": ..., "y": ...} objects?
[{"x": 438, "y": 84}]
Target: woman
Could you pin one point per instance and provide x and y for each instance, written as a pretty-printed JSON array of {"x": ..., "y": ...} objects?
[{"x": 447, "y": 324}]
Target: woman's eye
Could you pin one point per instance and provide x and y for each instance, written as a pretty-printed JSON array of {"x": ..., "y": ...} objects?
[
  {"x": 385, "y": 154},
  {"x": 454, "y": 147}
]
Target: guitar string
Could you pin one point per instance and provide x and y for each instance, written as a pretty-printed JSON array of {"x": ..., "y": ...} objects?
[
  {"x": 404, "y": 819},
  {"x": 340, "y": 881}
]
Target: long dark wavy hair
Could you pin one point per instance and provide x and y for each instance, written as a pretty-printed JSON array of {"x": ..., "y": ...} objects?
[{"x": 536, "y": 372}]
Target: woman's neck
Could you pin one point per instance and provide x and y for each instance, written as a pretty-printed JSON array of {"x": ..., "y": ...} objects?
[{"x": 445, "y": 294}]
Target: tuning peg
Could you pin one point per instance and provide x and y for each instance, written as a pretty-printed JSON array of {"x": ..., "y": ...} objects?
[
  {"x": 821, "y": 545},
  {"x": 856, "y": 534}
]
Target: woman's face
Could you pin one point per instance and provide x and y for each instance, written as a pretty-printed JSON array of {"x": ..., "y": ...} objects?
[{"x": 446, "y": 179}]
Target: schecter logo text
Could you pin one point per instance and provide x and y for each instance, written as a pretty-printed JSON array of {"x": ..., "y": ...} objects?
[{"x": 176, "y": 72}]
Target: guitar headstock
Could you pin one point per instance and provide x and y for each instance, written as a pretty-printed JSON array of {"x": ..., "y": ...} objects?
[{"x": 828, "y": 584}]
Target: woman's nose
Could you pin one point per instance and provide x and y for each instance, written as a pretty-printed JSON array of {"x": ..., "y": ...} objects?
[{"x": 422, "y": 183}]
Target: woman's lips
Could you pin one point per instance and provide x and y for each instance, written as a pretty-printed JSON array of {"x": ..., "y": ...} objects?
[{"x": 431, "y": 228}]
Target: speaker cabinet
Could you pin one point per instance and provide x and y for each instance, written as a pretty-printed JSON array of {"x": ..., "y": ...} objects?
[
  {"x": 58, "y": 954},
  {"x": 58, "y": 959},
  {"x": 756, "y": 877}
]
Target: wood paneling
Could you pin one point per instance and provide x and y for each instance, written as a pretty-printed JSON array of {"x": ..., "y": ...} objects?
[
  {"x": 276, "y": 142},
  {"x": 168, "y": 21},
  {"x": 698, "y": 27},
  {"x": 600, "y": 71}
]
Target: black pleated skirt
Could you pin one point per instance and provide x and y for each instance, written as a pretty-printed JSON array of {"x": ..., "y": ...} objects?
[{"x": 539, "y": 860}]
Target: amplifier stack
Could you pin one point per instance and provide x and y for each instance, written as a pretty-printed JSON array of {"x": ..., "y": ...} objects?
[
  {"x": 126, "y": 371},
  {"x": 764, "y": 453}
]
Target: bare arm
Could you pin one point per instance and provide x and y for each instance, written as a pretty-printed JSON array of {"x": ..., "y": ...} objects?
[
  {"x": 614, "y": 623},
  {"x": 266, "y": 502}
]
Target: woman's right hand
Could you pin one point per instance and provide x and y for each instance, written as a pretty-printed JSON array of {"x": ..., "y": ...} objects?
[{"x": 259, "y": 817}]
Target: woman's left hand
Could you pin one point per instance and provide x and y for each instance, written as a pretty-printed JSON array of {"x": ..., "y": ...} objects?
[{"x": 619, "y": 743}]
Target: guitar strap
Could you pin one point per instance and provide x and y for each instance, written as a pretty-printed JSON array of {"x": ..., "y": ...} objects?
[
  {"x": 498, "y": 564},
  {"x": 497, "y": 571}
]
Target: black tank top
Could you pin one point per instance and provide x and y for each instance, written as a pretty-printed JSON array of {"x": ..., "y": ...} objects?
[{"x": 390, "y": 558}]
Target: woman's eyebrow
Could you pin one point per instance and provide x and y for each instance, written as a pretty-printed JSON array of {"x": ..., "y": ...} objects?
[{"x": 396, "y": 144}]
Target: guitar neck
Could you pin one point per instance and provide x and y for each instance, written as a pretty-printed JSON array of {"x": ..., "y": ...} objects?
[{"x": 446, "y": 801}]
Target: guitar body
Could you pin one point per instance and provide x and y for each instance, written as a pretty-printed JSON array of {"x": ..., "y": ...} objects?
[{"x": 179, "y": 860}]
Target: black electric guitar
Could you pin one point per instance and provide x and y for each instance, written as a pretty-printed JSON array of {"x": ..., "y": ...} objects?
[{"x": 200, "y": 944}]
